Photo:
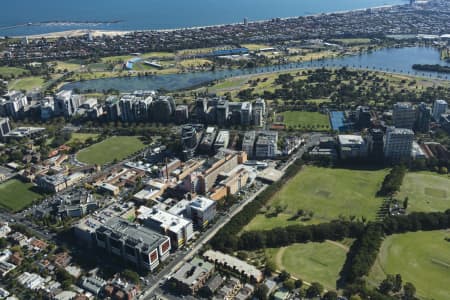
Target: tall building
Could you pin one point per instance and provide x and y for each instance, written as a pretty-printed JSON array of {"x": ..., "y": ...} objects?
[
  {"x": 423, "y": 118},
  {"x": 201, "y": 106},
  {"x": 398, "y": 144},
  {"x": 201, "y": 211},
  {"x": 376, "y": 144},
  {"x": 15, "y": 104},
  {"x": 181, "y": 114},
  {"x": 267, "y": 144},
  {"x": 246, "y": 113},
  {"x": 439, "y": 108},
  {"x": 67, "y": 103},
  {"x": 190, "y": 138},
  {"x": 5, "y": 127},
  {"x": 363, "y": 117},
  {"x": 222, "y": 140},
  {"x": 126, "y": 108},
  {"x": 112, "y": 108},
  {"x": 248, "y": 144},
  {"x": 404, "y": 115},
  {"x": 222, "y": 110},
  {"x": 163, "y": 108}
]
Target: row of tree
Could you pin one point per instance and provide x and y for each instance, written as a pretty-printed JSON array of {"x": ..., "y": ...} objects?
[
  {"x": 280, "y": 237},
  {"x": 393, "y": 181}
]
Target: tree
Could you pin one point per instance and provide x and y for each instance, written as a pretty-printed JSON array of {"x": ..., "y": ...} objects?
[
  {"x": 330, "y": 295},
  {"x": 284, "y": 275},
  {"x": 397, "y": 283},
  {"x": 289, "y": 284},
  {"x": 314, "y": 290},
  {"x": 131, "y": 276},
  {"x": 405, "y": 203},
  {"x": 298, "y": 283},
  {"x": 3, "y": 243},
  {"x": 261, "y": 292},
  {"x": 387, "y": 285},
  {"x": 409, "y": 291},
  {"x": 270, "y": 268}
]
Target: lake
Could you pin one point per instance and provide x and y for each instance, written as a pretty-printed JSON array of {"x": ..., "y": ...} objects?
[
  {"x": 394, "y": 60},
  {"x": 16, "y": 15}
]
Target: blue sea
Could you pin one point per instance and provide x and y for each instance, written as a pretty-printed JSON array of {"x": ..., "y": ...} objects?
[{"x": 27, "y": 17}]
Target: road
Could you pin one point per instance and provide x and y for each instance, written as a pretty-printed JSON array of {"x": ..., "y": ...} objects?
[{"x": 205, "y": 238}]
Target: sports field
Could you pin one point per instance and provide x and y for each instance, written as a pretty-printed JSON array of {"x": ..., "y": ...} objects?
[
  {"x": 27, "y": 83},
  {"x": 304, "y": 120},
  {"x": 422, "y": 258},
  {"x": 117, "y": 147},
  {"x": 311, "y": 262},
  {"x": 426, "y": 192},
  {"x": 15, "y": 195},
  {"x": 328, "y": 193}
]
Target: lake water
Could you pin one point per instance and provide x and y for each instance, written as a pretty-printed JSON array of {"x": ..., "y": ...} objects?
[
  {"x": 15, "y": 15},
  {"x": 395, "y": 60}
]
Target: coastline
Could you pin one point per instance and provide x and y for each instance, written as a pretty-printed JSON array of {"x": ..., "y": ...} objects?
[{"x": 112, "y": 33}]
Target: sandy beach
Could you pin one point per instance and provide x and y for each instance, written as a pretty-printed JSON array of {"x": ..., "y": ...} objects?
[{"x": 78, "y": 32}]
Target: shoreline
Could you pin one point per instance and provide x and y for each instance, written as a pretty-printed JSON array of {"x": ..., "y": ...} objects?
[{"x": 112, "y": 33}]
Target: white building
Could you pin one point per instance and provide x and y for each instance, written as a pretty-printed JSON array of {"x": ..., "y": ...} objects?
[
  {"x": 4, "y": 229},
  {"x": 177, "y": 228},
  {"x": 439, "y": 108},
  {"x": 31, "y": 281},
  {"x": 398, "y": 145},
  {"x": 352, "y": 146},
  {"x": 201, "y": 211}
]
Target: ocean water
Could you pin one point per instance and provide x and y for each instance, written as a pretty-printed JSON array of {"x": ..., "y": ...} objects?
[{"x": 27, "y": 17}]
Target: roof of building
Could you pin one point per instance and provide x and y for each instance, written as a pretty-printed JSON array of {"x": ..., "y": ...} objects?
[
  {"x": 400, "y": 131},
  {"x": 131, "y": 233},
  {"x": 201, "y": 203},
  {"x": 270, "y": 174},
  {"x": 350, "y": 139},
  {"x": 165, "y": 219},
  {"x": 233, "y": 262},
  {"x": 192, "y": 271}
]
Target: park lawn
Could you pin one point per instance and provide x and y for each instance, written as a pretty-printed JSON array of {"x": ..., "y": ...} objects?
[
  {"x": 311, "y": 262},
  {"x": 193, "y": 63},
  {"x": 352, "y": 41},
  {"x": 165, "y": 55},
  {"x": 117, "y": 58},
  {"x": 27, "y": 83},
  {"x": 65, "y": 65},
  {"x": 256, "y": 47},
  {"x": 231, "y": 83},
  {"x": 82, "y": 137},
  {"x": 305, "y": 119},
  {"x": 426, "y": 191},
  {"x": 328, "y": 193},
  {"x": 117, "y": 147},
  {"x": 422, "y": 258},
  {"x": 15, "y": 195},
  {"x": 12, "y": 71}
]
